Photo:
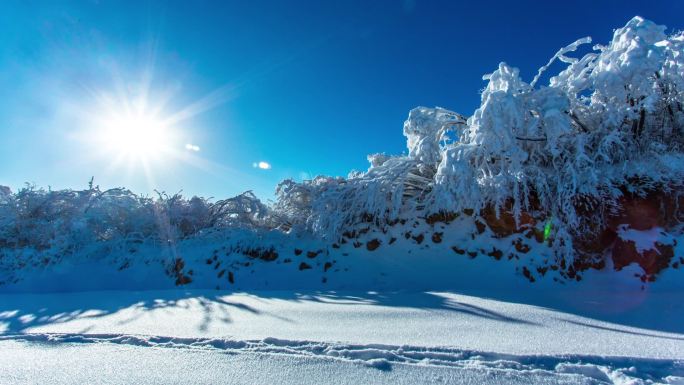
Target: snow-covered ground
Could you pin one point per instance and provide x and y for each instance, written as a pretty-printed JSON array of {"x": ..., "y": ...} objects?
[
  {"x": 305, "y": 337},
  {"x": 76, "y": 363}
]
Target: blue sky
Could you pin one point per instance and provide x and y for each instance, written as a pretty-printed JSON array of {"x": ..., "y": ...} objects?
[{"x": 310, "y": 87}]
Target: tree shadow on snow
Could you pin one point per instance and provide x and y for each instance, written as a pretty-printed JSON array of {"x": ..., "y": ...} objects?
[{"x": 19, "y": 313}]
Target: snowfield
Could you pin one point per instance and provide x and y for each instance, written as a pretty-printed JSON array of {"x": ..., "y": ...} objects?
[{"x": 302, "y": 337}]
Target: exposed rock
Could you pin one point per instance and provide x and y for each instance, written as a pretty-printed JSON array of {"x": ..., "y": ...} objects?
[
  {"x": 520, "y": 246},
  {"x": 503, "y": 223},
  {"x": 269, "y": 255},
  {"x": 372, "y": 245},
  {"x": 526, "y": 272},
  {"x": 496, "y": 253},
  {"x": 178, "y": 265},
  {"x": 652, "y": 261},
  {"x": 444, "y": 217},
  {"x": 480, "y": 227},
  {"x": 638, "y": 213},
  {"x": 437, "y": 237},
  {"x": 594, "y": 244},
  {"x": 457, "y": 250},
  {"x": 304, "y": 266},
  {"x": 263, "y": 254}
]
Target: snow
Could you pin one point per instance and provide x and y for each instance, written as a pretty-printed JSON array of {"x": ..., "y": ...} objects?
[
  {"x": 347, "y": 280},
  {"x": 644, "y": 239},
  {"x": 427, "y": 319},
  {"x": 462, "y": 337},
  {"x": 74, "y": 363}
]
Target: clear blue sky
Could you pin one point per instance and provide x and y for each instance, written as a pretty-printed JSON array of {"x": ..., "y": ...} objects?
[{"x": 311, "y": 87}]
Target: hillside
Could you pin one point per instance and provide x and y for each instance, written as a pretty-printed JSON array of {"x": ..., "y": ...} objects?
[{"x": 542, "y": 183}]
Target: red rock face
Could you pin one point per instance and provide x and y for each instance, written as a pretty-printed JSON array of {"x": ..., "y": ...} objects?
[
  {"x": 657, "y": 209},
  {"x": 503, "y": 224},
  {"x": 639, "y": 213},
  {"x": 652, "y": 261},
  {"x": 595, "y": 244}
]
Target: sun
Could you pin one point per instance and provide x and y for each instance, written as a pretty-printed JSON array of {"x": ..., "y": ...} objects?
[
  {"x": 132, "y": 129},
  {"x": 136, "y": 135}
]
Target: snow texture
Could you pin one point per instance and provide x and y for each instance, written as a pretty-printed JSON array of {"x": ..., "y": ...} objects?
[{"x": 467, "y": 339}]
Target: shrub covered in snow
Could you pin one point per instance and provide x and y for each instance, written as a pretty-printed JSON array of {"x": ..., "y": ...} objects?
[
  {"x": 612, "y": 121},
  {"x": 57, "y": 224}
]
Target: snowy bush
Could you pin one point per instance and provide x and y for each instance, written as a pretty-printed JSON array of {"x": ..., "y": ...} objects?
[
  {"x": 93, "y": 222},
  {"x": 611, "y": 118},
  {"x": 610, "y": 122}
]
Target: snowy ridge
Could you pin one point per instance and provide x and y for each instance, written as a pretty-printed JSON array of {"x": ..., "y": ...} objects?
[{"x": 604, "y": 370}]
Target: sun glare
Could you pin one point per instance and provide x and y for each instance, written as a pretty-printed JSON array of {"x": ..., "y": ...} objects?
[
  {"x": 134, "y": 129},
  {"x": 137, "y": 136}
]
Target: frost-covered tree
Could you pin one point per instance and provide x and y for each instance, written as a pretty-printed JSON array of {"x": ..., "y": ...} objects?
[{"x": 612, "y": 116}]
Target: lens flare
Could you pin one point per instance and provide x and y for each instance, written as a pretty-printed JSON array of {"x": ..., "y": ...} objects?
[{"x": 262, "y": 165}]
